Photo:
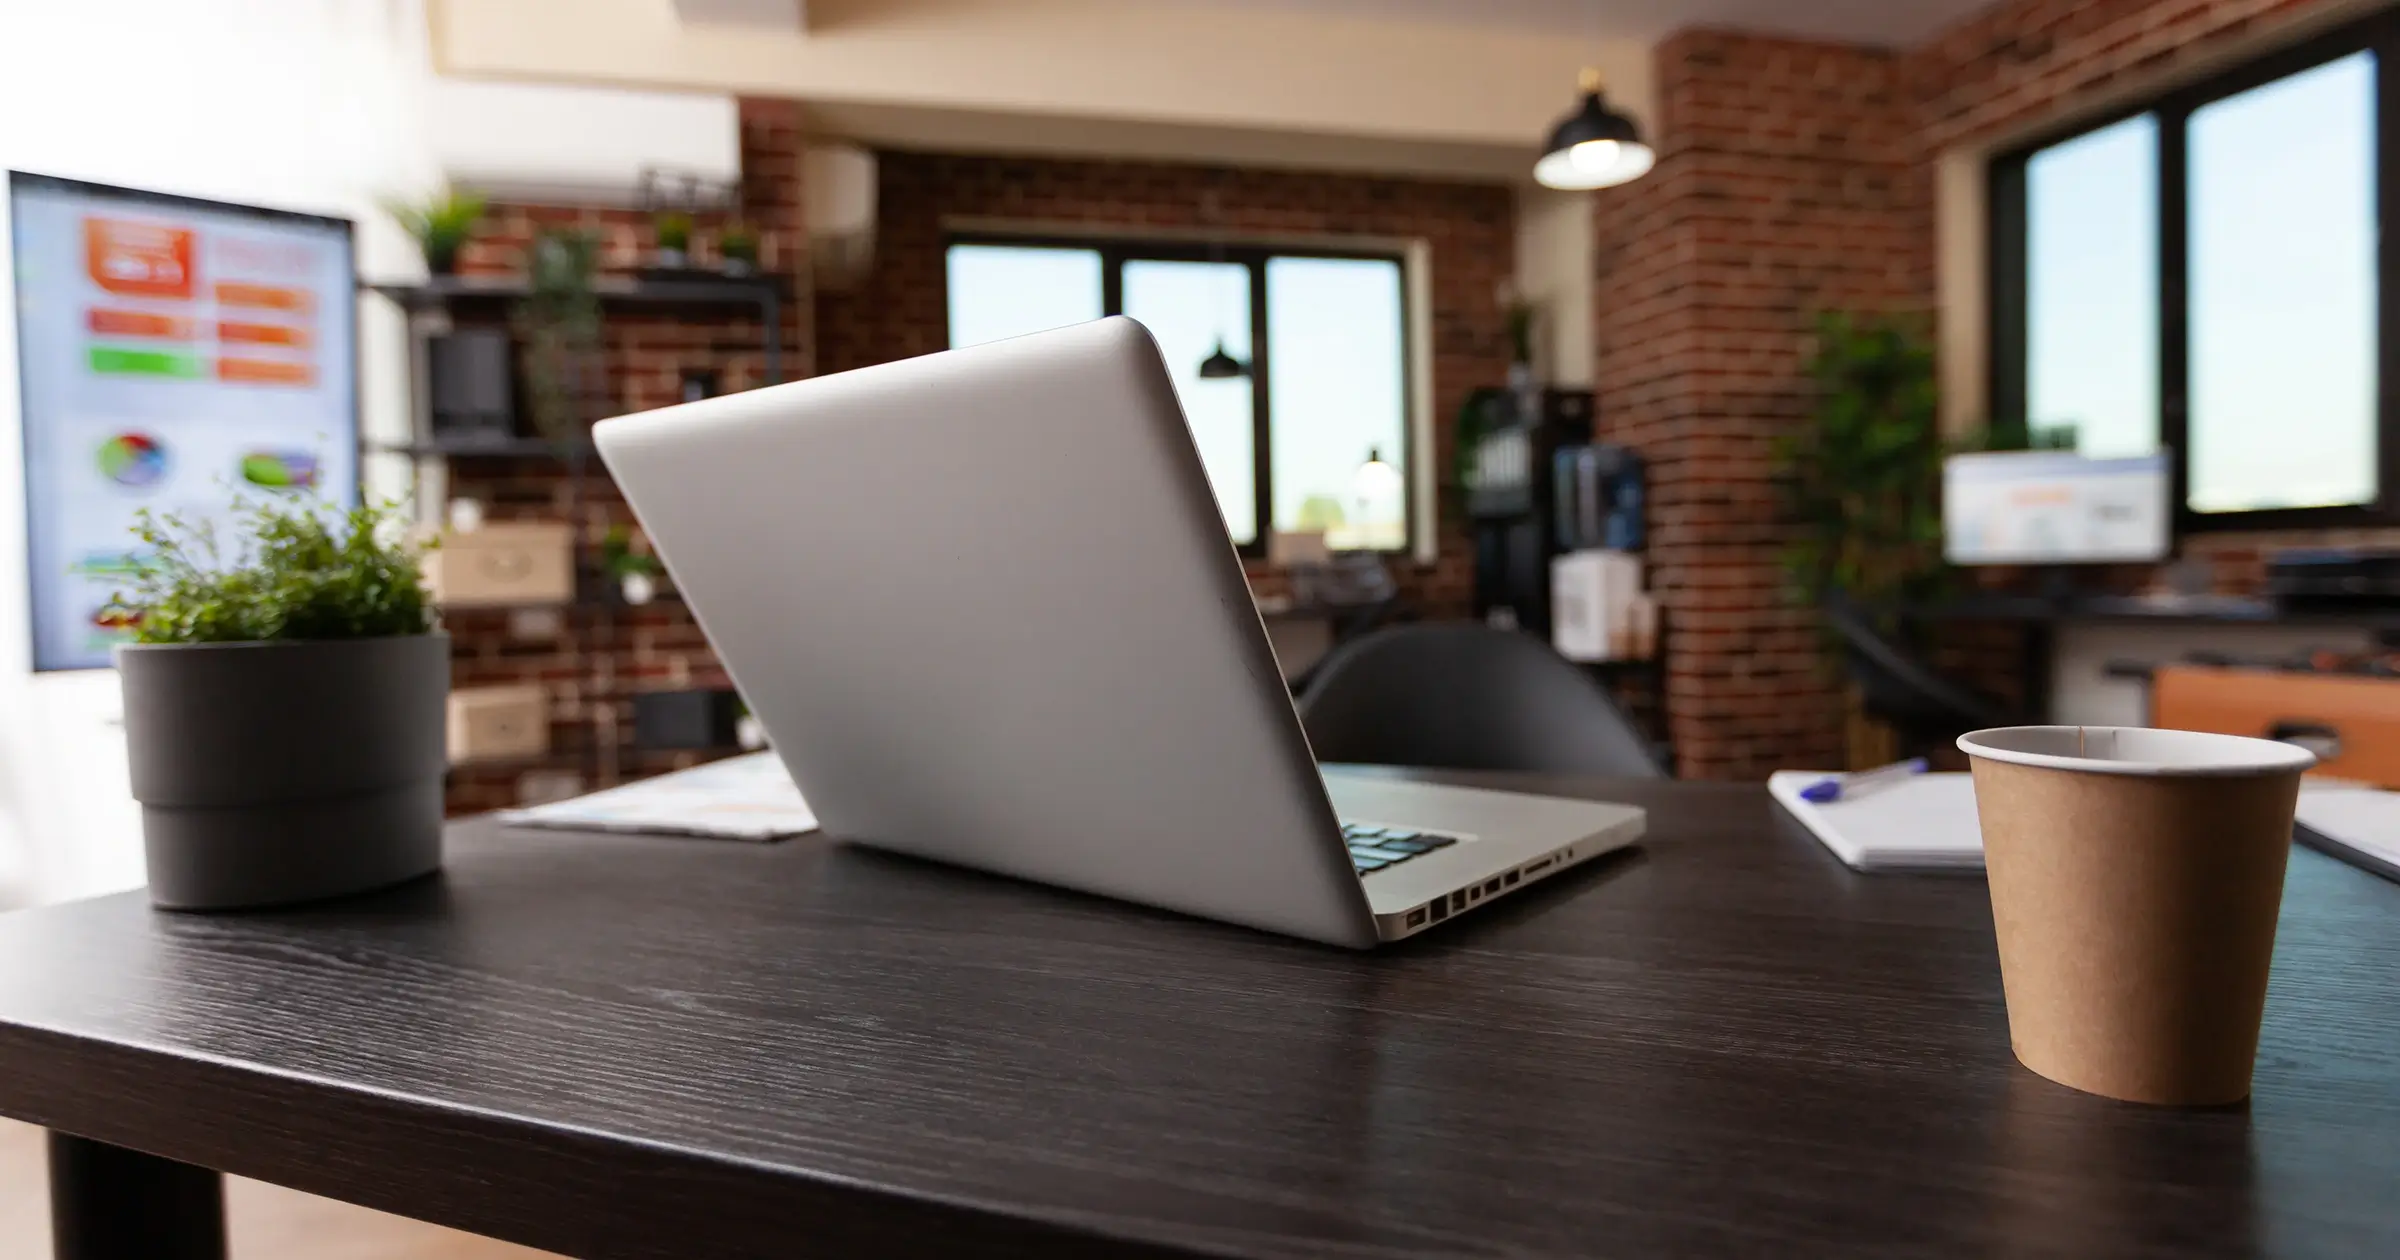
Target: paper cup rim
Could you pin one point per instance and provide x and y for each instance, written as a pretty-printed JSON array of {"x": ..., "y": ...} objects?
[{"x": 2159, "y": 753}]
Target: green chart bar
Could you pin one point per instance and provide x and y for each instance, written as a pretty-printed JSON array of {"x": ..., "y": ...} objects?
[{"x": 147, "y": 362}]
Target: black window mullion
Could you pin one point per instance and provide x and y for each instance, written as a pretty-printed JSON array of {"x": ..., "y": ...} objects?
[
  {"x": 2005, "y": 280},
  {"x": 2385, "y": 43},
  {"x": 2174, "y": 315},
  {"x": 1112, "y": 281},
  {"x": 1262, "y": 484}
]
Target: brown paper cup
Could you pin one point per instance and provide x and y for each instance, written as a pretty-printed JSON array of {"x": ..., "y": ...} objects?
[{"x": 2135, "y": 878}]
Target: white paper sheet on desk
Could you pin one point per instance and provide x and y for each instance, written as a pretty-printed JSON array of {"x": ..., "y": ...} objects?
[
  {"x": 2361, "y": 817},
  {"x": 1923, "y": 823},
  {"x": 741, "y": 798}
]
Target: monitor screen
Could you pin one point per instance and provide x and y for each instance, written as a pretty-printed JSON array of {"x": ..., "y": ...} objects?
[
  {"x": 2054, "y": 507},
  {"x": 173, "y": 354}
]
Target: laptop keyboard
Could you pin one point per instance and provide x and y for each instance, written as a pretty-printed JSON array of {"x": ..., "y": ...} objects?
[{"x": 1374, "y": 848}]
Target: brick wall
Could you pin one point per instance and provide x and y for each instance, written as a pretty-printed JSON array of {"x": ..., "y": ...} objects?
[
  {"x": 2019, "y": 64},
  {"x": 1779, "y": 193},
  {"x": 1796, "y": 177},
  {"x": 898, "y": 310},
  {"x": 601, "y": 653}
]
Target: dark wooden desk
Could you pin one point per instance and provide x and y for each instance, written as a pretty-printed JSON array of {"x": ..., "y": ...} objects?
[{"x": 1725, "y": 1045}]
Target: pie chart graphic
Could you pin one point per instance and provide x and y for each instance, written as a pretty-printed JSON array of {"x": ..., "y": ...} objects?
[{"x": 133, "y": 459}]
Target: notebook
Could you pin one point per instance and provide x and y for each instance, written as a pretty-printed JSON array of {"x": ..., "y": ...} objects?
[
  {"x": 1925, "y": 823},
  {"x": 2358, "y": 824},
  {"x": 741, "y": 798}
]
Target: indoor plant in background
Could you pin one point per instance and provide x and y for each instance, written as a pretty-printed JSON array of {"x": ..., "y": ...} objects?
[
  {"x": 558, "y": 331},
  {"x": 441, "y": 223},
  {"x": 284, "y": 703},
  {"x": 1862, "y": 476},
  {"x": 674, "y": 231},
  {"x": 738, "y": 246}
]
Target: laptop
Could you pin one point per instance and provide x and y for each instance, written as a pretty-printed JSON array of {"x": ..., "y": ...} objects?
[{"x": 988, "y": 613}]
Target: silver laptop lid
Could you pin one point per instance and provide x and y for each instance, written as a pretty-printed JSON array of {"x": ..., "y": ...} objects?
[{"x": 986, "y": 608}]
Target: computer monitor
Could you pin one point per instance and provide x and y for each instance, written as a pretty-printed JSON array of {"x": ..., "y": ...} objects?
[
  {"x": 2055, "y": 507},
  {"x": 172, "y": 354}
]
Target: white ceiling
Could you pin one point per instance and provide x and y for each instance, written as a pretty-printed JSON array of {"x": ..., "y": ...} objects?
[{"x": 1864, "y": 21}]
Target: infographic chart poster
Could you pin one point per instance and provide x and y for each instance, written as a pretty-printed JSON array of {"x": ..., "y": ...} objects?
[{"x": 173, "y": 354}]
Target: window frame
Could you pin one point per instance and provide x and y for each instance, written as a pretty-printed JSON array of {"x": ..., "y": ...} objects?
[
  {"x": 2006, "y": 257},
  {"x": 1116, "y": 251}
]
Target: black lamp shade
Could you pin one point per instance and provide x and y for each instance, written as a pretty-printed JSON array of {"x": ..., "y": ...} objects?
[
  {"x": 1220, "y": 366},
  {"x": 1594, "y": 147}
]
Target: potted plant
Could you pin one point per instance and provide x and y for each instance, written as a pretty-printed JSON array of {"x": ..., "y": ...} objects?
[
  {"x": 738, "y": 244},
  {"x": 636, "y": 573},
  {"x": 284, "y": 706},
  {"x": 673, "y": 229},
  {"x": 558, "y": 332},
  {"x": 441, "y": 223}
]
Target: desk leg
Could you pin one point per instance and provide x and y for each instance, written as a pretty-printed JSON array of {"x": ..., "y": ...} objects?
[{"x": 109, "y": 1203}]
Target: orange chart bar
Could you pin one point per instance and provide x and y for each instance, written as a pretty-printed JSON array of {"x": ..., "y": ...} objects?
[
  {"x": 114, "y": 323},
  {"x": 265, "y": 372},
  {"x": 236, "y": 293},
  {"x": 262, "y": 334}
]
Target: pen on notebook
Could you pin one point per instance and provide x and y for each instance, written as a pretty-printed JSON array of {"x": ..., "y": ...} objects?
[{"x": 1826, "y": 791}]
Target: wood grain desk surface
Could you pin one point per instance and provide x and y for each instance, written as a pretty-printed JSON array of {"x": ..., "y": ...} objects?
[{"x": 1723, "y": 1044}]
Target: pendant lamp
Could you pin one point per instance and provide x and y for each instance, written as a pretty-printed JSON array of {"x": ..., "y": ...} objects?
[{"x": 1594, "y": 147}]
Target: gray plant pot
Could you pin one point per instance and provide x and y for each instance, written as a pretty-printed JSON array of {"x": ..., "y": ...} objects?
[{"x": 272, "y": 773}]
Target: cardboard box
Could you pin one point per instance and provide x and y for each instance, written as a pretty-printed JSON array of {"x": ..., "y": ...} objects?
[
  {"x": 503, "y": 563},
  {"x": 491, "y": 722},
  {"x": 1594, "y": 598}
]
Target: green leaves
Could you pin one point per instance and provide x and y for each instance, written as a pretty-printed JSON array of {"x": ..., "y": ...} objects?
[
  {"x": 304, "y": 570},
  {"x": 1862, "y": 477},
  {"x": 440, "y": 223}
]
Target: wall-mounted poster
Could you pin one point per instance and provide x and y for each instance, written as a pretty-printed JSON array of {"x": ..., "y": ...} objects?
[{"x": 173, "y": 354}]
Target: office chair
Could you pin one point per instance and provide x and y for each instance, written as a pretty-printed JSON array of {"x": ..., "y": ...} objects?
[
  {"x": 1928, "y": 710},
  {"x": 1464, "y": 696}
]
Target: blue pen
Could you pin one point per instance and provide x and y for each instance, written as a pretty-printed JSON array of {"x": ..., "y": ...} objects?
[{"x": 1827, "y": 791}]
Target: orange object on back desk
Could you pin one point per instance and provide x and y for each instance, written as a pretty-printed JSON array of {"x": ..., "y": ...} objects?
[{"x": 2351, "y": 720}]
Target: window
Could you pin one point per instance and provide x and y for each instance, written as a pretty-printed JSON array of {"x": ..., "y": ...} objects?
[
  {"x": 2203, "y": 276},
  {"x": 1323, "y": 337}
]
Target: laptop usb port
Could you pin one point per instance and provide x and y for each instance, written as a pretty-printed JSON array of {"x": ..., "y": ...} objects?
[
  {"x": 1509, "y": 879},
  {"x": 1416, "y": 917},
  {"x": 1491, "y": 886},
  {"x": 1536, "y": 868},
  {"x": 1441, "y": 910}
]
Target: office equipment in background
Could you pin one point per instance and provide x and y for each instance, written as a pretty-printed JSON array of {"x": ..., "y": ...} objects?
[
  {"x": 173, "y": 353},
  {"x": 739, "y": 798},
  {"x": 699, "y": 718},
  {"x": 1511, "y": 483},
  {"x": 1598, "y": 611},
  {"x": 1599, "y": 494},
  {"x": 2055, "y": 507},
  {"x": 1899, "y": 688},
  {"x": 1924, "y": 823},
  {"x": 2350, "y": 721},
  {"x": 470, "y": 374},
  {"x": 1464, "y": 696},
  {"x": 2357, "y": 823},
  {"x": 2334, "y": 580},
  {"x": 1117, "y": 726}
]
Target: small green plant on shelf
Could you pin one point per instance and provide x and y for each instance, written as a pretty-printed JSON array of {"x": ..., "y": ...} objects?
[
  {"x": 635, "y": 572},
  {"x": 300, "y": 569},
  {"x": 673, "y": 229},
  {"x": 738, "y": 245},
  {"x": 1861, "y": 476},
  {"x": 441, "y": 225}
]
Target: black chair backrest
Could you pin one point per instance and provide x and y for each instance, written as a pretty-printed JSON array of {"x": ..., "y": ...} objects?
[
  {"x": 1901, "y": 689},
  {"x": 1464, "y": 696}
]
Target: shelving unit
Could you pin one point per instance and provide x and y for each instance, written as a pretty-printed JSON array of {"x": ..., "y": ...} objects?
[{"x": 591, "y": 626}]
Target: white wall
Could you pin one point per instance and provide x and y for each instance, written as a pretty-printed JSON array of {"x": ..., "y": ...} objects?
[
  {"x": 1177, "y": 79},
  {"x": 1554, "y": 273},
  {"x": 296, "y": 104}
]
